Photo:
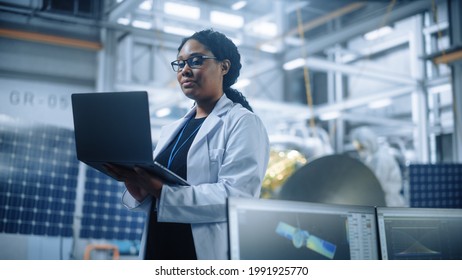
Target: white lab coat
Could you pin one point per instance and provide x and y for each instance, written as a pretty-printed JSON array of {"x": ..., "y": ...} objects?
[{"x": 228, "y": 157}]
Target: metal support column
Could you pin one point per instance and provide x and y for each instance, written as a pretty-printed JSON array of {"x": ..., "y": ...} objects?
[
  {"x": 340, "y": 121},
  {"x": 419, "y": 95},
  {"x": 455, "y": 29},
  {"x": 335, "y": 95},
  {"x": 128, "y": 58},
  {"x": 107, "y": 61}
]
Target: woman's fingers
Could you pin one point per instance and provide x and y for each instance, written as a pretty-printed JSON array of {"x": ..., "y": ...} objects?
[
  {"x": 112, "y": 170},
  {"x": 120, "y": 172},
  {"x": 152, "y": 184}
]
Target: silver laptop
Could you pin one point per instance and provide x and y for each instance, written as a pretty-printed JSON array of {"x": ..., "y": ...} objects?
[{"x": 114, "y": 127}]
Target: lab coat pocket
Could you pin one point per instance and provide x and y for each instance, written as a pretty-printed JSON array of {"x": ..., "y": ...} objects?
[{"x": 216, "y": 159}]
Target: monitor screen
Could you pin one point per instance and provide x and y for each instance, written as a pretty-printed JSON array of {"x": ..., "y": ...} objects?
[
  {"x": 263, "y": 229},
  {"x": 420, "y": 233}
]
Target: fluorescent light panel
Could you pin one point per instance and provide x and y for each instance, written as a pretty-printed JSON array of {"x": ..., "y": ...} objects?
[
  {"x": 329, "y": 116},
  {"x": 231, "y": 20},
  {"x": 269, "y": 48},
  {"x": 142, "y": 24},
  {"x": 375, "y": 34},
  {"x": 265, "y": 28},
  {"x": 238, "y": 5},
  {"x": 178, "y": 30},
  {"x": 379, "y": 103},
  {"x": 146, "y": 5},
  {"x": 293, "y": 64},
  {"x": 123, "y": 21},
  {"x": 181, "y": 10}
]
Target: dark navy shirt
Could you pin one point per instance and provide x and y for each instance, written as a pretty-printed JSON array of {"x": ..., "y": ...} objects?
[{"x": 170, "y": 241}]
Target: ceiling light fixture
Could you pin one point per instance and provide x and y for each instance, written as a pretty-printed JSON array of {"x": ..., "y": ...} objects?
[
  {"x": 238, "y": 5},
  {"x": 329, "y": 116},
  {"x": 264, "y": 28},
  {"x": 269, "y": 48},
  {"x": 142, "y": 24},
  {"x": 178, "y": 30},
  {"x": 181, "y": 10},
  {"x": 231, "y": 20},
  {"x": 380, "y": 103},
  {"x": 375, "y": 34},
  {"x": 146, "y": 5},
  {"x": 294, "y": 64},
  {"x": 123, "y": 21}
]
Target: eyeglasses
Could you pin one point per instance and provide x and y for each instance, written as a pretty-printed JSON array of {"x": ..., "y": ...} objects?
[{"x": 193, "y": 62}]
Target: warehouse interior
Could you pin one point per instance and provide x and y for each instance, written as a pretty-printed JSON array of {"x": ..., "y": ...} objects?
[{"x": 314, "y": 71}]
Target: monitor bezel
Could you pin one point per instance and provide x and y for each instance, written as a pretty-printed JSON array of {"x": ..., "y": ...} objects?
[{"x": 288, "y": 206}]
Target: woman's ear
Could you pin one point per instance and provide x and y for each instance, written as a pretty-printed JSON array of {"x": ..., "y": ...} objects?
[{"x": 225, "y": 66}]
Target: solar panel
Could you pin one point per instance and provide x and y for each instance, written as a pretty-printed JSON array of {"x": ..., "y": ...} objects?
[
  {"x": 104, "y": 216},
  {"x": 38, "y": 179},
  {"x": 38, "y": 187},
  {"x": 435, "y": 185}
]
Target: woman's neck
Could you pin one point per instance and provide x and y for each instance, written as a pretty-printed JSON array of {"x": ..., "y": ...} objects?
[{"x": 203, "y": 109}]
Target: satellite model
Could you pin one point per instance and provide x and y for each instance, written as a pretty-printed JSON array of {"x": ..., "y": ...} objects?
[{"x": 301, "y": 238}]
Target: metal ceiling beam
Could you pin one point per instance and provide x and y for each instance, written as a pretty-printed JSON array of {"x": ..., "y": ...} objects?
[
  {"x": 270, "y": 16},
  {"x": 326, "y": 18},
  {"x": 252, "y": 71},
  {"x": 382, "y": 121},
  {"x": 50, "y": 39},
  {"x": 123, "y": 9},
  {"x": 351, "y": 103},
  {"x": 377, "y": 48},
  {"x": 348, "y": 32},
  {"x": 325, "y": 65},
  {"x": 298, "y": 112},
  {"x": 309, "y": 25}
]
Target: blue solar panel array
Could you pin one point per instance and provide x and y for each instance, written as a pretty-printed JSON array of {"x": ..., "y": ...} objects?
[
  {"x": 38, "y": 178},
  {"x": 38, "y": 187},
  {"x": 435, "y": 185},
  {"x": 104, "y": 216}
]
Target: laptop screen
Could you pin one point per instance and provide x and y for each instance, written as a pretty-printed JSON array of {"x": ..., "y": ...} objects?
[
  {"x": 420, "y": 233},
  {"x": 285, "y": 230},
  {"x": 112, "y": 127}
]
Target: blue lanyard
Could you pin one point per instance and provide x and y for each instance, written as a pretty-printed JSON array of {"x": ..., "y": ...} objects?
[{"x": 173, "y": 153}]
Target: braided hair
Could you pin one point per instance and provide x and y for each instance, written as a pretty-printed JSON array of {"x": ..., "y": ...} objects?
[{"x": 222, "y": 48}]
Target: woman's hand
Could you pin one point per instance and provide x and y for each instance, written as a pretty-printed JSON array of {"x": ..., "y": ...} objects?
[{"x": 138, "y": 181}]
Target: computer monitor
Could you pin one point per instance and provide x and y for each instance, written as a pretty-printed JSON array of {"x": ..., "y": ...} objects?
[
  {"x": 263, "y": 229},
  {"x": 420, "y": 233}
]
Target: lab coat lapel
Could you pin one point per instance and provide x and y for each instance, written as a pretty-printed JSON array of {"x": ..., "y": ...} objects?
[
  {"x": 213, "y": 119},
  {"x": 198, "y": 155},
  {"x": 169, "y": 132}
]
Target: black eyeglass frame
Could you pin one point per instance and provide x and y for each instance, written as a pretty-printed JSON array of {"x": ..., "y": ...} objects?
[{"x": 190, "y": 62}]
